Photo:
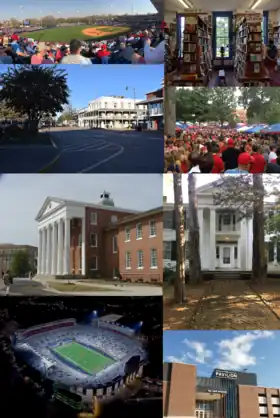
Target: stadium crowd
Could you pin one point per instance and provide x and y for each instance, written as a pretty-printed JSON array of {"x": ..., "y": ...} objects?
[
  {"x": 216, "y": 150},
  {"x": 141, "y": 47}
]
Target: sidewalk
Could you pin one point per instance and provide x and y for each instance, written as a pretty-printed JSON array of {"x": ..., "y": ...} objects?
[
  {"x": 228, "y": 304},
  {"x": 116, "y": 289}
]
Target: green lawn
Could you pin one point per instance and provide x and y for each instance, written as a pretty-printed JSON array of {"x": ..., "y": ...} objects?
[
  {"x": 65, "y": 34},
  {"x": 86, "y": 359}
]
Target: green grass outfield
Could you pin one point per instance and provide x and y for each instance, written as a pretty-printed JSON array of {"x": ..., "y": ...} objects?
[
  {"x": 85, "y": 358},
  {"x": 65, "y": 34}
]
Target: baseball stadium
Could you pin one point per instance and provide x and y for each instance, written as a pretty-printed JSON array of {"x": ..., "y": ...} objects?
[{"x": 81, "y": 32}]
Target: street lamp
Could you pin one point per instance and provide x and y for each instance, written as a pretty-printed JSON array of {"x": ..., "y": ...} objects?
[{"x": 134, "y": 98}]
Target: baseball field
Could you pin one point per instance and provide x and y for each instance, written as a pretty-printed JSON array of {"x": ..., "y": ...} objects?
[
  {"x": 86, "y": 359},
  {"x": 65, "y": 34}
]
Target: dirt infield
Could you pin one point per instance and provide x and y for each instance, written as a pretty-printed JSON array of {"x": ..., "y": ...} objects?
[{"x": 101, "y": 30}]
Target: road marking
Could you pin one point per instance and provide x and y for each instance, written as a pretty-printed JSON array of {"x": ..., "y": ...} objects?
[{"x": 105, "y": 160}]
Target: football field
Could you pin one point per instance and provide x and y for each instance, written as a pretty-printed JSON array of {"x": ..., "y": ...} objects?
[{"x": 86, "y": 359}]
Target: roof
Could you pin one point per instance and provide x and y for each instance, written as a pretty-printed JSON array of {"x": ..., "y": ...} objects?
[
  {"x": 147, "y": 101},
  {"x": 136, "y": 217},
  {"x": 3, "y": 246},
  {"x": 110, "y": 318},
  {"x": 63, "y": 202}
]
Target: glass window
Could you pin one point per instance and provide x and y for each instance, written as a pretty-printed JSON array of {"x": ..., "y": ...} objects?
[
  {"x": 140, "y": 259},
  {"x": 115, "y": 244},
  {"x": 128, "y": 260},
  {"x": 153, "y": 258},
  {"x": 93, "y": 263},
  {"x": 139, "y": 231},
  {"x": 153, "y": 229},
  {"x": 167, "y": 247},
  {"x": 222, "y": 35},
  {"x": 93, "y": 218},
  {"x": 127, "y": 234},
  {"x": 93, "y": 240}
]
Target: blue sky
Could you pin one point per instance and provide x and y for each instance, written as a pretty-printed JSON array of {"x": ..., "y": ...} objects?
[
  {"x": 256, "y": 351},
  {"x": 17, "y": 221},
  {"x": 89, "y": 82},
  {"x": 67, "y": 8}
]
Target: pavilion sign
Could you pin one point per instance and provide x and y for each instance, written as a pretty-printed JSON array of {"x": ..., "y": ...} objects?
[{"x": 224, "y": 374}]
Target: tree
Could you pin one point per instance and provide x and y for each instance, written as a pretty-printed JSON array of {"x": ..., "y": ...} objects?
[
  {"x": 249, "y": 204},
  {"x": 193, "y": 226},
  {"x": 49, "y": 21},
  {"x": 262, "y": 104},
  {"x": 179, "y": 288},
  {"x": 20, "y": 265},
  {"x": 222, "y": 104},
  {"x": 35, "y": 91},
  {"x": 191, "y": 105},
  {"x": 206, "y": 105},
  {"x": 259, "y": 255}
]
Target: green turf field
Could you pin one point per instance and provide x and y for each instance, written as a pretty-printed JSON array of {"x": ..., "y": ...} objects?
[
  {"x": 65, "y": 34},
  {"x": 86, "y": 359}
]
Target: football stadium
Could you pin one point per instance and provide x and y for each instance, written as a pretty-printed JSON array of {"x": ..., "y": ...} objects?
[{"x": 98, "y": 354}]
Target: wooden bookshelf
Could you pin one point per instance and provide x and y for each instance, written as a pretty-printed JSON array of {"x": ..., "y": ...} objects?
[
  {"x": 276, "y": 35},
  {"x": 194, "y": 54},
  {"x": 249, "y": 58}
]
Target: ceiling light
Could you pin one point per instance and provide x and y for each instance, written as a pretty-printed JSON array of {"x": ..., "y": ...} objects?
[
  {"x": 256, "y": 4},
  {"x": 184, "y": 4}
]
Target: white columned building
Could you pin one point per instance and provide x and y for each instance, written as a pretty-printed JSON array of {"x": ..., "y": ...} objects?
[
  {"x": 226, "y": 239},
  {"x": 54, "y": 231}
]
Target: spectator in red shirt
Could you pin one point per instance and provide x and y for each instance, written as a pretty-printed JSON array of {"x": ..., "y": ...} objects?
[
  {"x": 103, "y": 54},
  {"x": 258, "y": 165},
  {"x": 218, "y": 166},
  {"x": 15, "y": 37}
]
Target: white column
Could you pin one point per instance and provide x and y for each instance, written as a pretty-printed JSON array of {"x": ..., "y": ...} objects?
[
  {"x": 83, "y": 252},
  {"x": 201, "y": 233},
  {"x": 43, "y": 256},
  {"x": 54, "y": 249},
  {"x": 60, "y": 248},
  {"x": 66, "y": 258},
  {"x": 212, "y": 247},
  {"x": 48, "y": 256},
  {"x": 39, "y": 261}
]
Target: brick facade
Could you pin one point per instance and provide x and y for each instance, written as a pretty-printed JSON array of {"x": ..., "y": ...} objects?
[{"x": 105, "y": 228}]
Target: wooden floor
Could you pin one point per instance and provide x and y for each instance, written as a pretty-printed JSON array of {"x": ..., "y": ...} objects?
[{"x": 232, "y": 82}]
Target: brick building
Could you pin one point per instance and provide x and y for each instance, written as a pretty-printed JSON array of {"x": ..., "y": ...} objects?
[
  {"x": 226, "y": 394},
  {"x": 7, "y": 252},
  {"x": 99, "y": 240}
]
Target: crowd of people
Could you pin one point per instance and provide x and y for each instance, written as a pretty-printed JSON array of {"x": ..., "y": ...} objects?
[
  {"x": 141, "y": 47},
  {"x": 216, "y": 150}
]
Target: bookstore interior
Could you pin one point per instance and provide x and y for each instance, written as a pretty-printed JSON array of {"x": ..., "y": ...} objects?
[{"x": 225, "y": 46}]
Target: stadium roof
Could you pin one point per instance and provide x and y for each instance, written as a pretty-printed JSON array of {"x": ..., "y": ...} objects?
[{"x": 111, "y": 318}]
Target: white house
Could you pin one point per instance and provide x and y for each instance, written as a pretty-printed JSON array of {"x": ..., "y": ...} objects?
[
  {"x": 112, "y": 112},
  {"x": 226, "y": 239}
]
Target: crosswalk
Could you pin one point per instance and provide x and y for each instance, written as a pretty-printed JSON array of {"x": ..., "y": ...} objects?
[{"x": 82, "y": 147}]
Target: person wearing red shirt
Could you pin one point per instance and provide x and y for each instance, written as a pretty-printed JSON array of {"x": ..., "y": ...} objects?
[
  {"x": 103, "y": 54},
  {"x": 15, "y": 37},
  {"x": 218, "y": 166},
  {"x": 258, "y": 164}
]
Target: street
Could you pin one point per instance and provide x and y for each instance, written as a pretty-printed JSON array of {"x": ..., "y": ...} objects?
[
  {"x": 27, "y": 287},
  {"x": 88, "y": 151}
]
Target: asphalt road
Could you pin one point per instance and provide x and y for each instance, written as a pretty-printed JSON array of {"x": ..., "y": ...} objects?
[
  {"x": 88, "y": 151},
  {"x": 25, "y": 287}
]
